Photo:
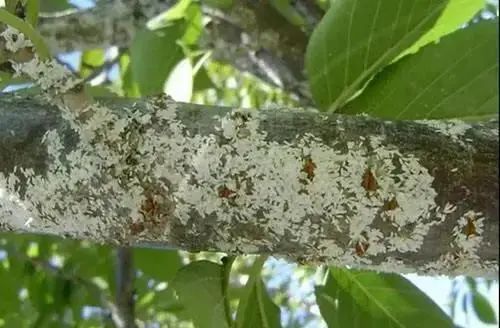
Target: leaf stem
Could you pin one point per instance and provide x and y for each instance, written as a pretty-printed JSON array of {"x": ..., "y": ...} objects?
[{"x": 227, "y": 263}]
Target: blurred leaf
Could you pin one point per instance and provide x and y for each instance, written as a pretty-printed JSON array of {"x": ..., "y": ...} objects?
[
  {"x": 288, "y": 11},
  {"x": 32, "y": 9},
  {"x": 323, "y": 4},
  {"x": 178, "y": 10},
  {"x": 129, "y": 86},
  {"x": 29, "y": 269},
  {"x": 153, "y": 54},
  {"x": 194, "y": 26},
  {"x": 54, "y": 5},
  {"x": 91, "y": 59},
  {"x": 79, "y": 255},
  {"x": 352, "y": 298},
  {"x": 456, "y": 13},
  {"x": 101, "y": 91},
  {"x": 62, "y": 292},
  {"x": 221, "y": 4},
  {"x": 9, "y": 287},
  {"x": 438, "y": 81},
  {"x": 255, "y": 308},
  {"x": 159, "y": 264},
  {"x": 483, "y": 308},
  {"x": 260, "y": 311},
  {"x": 32, "y": 250},
  {"x": 199, "y": 287},
  {"x": 202, "y": 81},
  {"x": 10, "y": 5},
  {"x": 471, "y": 282},
  {"x": 179, "y": 84},
  {"x": 357, "y": 38}
]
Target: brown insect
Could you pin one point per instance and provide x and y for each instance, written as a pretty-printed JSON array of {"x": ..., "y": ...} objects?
[
  {"x": 361, "y": 248},
  {"x": 309, "y": 167},
  {"x": 225, "y": 192},
  {"x": 136, "y": 228},
  {"x": 470, "y": 227},
  {"x": 391, "y": 204},
  {"x": 369, "y": 182},
  {"x": 150, "y": 207}
]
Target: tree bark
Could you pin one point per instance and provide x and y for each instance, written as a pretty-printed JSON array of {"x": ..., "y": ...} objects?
[
  {"x": 109, "y": 23},
  {"x": 404, "y": 196},
  {"x": 125, "y": 290}
]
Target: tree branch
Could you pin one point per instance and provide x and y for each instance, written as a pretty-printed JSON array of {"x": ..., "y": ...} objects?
[
  {"x": 109, "y": 23},
  {"x": 345, "y": 190},
  {"x": 125, "y": 301}
]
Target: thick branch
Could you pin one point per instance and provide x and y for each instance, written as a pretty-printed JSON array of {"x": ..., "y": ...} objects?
[
  {"x": 255, "y": 38},
  {"x": 395, "y": 196}
]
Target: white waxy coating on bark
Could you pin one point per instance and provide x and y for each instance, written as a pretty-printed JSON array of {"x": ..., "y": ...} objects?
[
  {"x": 197, "y": 166},
  {"x": 454, "y": 128},
  {"x": 48, "y": 74},
  {"x": 122, "y": 155},
  {"x": 15, "y": 40}
]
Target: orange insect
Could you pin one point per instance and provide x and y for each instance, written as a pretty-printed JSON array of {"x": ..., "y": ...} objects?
[
  {"x": 225, "y": 192},
  {"x": 470, "y": 227},
  {"x": 309, "y": 167},
  {"x": 391, "y": 205},
  {"x": 137, "y": 227},
  {"x": 361, "y": 248},
  {"x": 369, "y": 182},
  {"x": 150, "y": 207}
]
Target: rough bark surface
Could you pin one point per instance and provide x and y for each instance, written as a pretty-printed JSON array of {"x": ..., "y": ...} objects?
[{"x": 318, "y": 188}]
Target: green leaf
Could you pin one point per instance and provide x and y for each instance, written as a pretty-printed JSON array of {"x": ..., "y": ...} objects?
[
  {"x": 471, "y": 282},
  {"x": 353, "y": 298},
  {"x": 153, "y": 54},
  {"x": 63, "y": 290},
  {"x": 10, "y": 5},
  {"x": 27, "y": 30},
  {"x": 227, "y": 263},
  {"x": 455, "y": 78},
  {"x": 54, "y": 5},
  {"x": 222, "y": 4},
  {"x": 179, "y": 84},
  {"x": 255, "y": 308},
  {"x": 202, "y": 80},
  {"x": 129, "y": 86},
  {"x": 10, "y": 285},
  {"x": 199, "y": 287},
  {"x": 178, "y": 10},
  {"x": 91, "y": 59},
  {"x": 194, "y": 26},
  {"x": 483, "y": 308},
  {"x": 32, "y": 9},
  {"x": 456, "y": 13},
  {"x": 356, "y": 38},
  {"x": 102, "y": 91},
  {"x": 260, "y": 310},
  {"x": 288, "y": 11},
  {"x": 160, "y": 264}
]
